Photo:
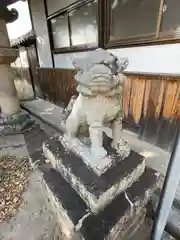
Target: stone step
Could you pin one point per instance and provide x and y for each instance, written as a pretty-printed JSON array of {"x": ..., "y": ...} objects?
[
  {"x": 131, "y": 227},
  {"x": 140, "y": 231},
  {"x": 96, "y": 191},
  {"x": 75, "y": 219}
]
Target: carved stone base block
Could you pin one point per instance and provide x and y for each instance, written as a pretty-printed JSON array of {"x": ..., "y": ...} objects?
[
  {"x": 16, "y": 123},
  {"x": 96, "y": 191},
  {"x": 122, "y": 217}
]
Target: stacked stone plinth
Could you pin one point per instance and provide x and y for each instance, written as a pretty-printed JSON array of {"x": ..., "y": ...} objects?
[{"x": 90, "y": 206}]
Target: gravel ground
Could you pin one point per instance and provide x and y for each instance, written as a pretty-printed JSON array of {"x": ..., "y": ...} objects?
[{"x": 14, "y": 173}]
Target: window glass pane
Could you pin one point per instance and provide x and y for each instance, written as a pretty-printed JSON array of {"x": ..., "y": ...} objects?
[
  {"x": 171, "y": 16},
  {"x": 55, "y": 5},
  {"x": 84, "y": 24},
  {"x": 60, "y": 31},
  {"x": 132, "y": 18}
]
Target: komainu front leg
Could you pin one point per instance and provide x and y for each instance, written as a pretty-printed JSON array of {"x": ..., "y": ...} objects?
[
  {"x": 116, "y": 131},
  {"x": 118, "y": 141},
  {"x": 75, "y": 117},
  {"x": 72, "y": 125},
  {"x": 96, "y": 136}
]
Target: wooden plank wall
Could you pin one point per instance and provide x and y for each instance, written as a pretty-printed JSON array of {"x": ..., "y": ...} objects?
[
  {"x": 151, "y": 102},
  {"x": 151, "y": 97},
  {"x": 57, "y": 85}
]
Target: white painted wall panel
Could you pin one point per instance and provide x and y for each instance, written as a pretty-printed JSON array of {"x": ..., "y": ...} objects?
[{"x": 146, "y": 59}]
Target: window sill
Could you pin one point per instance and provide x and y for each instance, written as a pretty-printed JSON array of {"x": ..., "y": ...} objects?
[
  {"x": 80, "y": 48},
  {"x": 162, "y": 39}
]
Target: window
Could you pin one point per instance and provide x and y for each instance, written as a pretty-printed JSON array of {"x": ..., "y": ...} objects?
[
  {"x": 133, "y": 22},
  {"x": 87, "y": 24},
  {"x": 132, "y": 18},
  {"x": 171, "y": 17},
  {"x": 75, "y": 28},
  {"x": 84, "y": 28},
  {"x": 60, "y": 31}
]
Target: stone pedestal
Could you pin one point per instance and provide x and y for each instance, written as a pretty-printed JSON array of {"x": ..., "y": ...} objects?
[
  {"x": 90, "y": 206},
  {"x": 96, "y": 191},
  {"x": 12, "y": 119},
  {"x": 119, "y": 220}
]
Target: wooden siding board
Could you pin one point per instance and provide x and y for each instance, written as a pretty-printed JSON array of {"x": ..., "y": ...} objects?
[
  {"x": 126, "y": 96},
  {"x": 146, "y": 96},
  {"x": 170, "y": 98},
  {"x": 138, "y": 99},
  {"x": 151, "y": 103}
]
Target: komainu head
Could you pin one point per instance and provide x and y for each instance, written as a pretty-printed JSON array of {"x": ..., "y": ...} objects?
[{"x": 99, "y": 73}]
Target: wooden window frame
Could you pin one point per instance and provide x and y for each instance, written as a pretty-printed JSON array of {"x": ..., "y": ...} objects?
[
  {"x": 151, "y": 39},
  {"x": 103, "y": 24},
  {"x": 78, "y": 48}
]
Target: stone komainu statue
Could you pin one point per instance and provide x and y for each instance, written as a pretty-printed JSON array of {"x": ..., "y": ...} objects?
[{"x": 99, "y": 104}]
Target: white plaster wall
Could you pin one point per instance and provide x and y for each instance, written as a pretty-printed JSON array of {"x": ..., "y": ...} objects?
[
  {"x": 151, "y": 59},
  {"x": 40, "y": 27}
]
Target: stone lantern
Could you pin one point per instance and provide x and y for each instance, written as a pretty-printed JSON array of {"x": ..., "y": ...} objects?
[{"x": 12, "y": 119}]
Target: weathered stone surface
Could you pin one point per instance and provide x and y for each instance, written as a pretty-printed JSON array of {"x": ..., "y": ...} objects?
[
  {"x": 16, "y": 123},
  {"x": 9, "y": 102},
  {"x": 96, "y": 191},
  {"x": 131, "y": 227},
  {"x": 75, "y": 220},
  {"x": 122, "y": 230},
  {"x": 140, "y": 232},
  {"x": 81, "y": 147}
]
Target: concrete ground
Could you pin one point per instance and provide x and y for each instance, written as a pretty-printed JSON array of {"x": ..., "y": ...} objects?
[
  {"x": 156, "y": 158},
  {"x": 35, "y": 220}
]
